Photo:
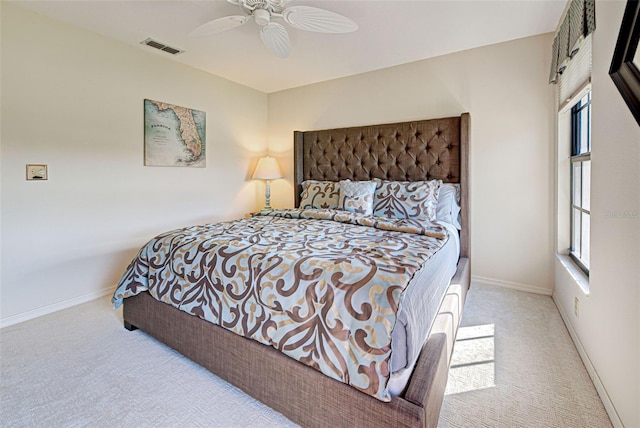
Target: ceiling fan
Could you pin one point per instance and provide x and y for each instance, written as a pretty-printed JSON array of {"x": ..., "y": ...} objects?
[{"x": 273, "y": 34}]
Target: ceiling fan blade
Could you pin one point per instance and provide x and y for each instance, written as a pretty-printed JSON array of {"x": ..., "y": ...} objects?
[
  {"x": 219, "y": 25},
  {"x": 319, "y": 20},
  {"x": 276, "y": 39}
]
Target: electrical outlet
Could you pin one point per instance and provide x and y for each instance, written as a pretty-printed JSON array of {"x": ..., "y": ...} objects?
[{"x": 576, "y": 307}]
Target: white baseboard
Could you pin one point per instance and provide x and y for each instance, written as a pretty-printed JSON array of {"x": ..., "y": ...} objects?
[
  {"x": 511, "y": 285},
  {"x": 44, "y": 310},
  {"x": 593, "y": 374}
]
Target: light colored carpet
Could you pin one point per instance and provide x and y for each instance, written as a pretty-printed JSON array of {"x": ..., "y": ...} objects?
[
  {"x": 514, "y": 366},
  {"x": 80, "y": 368}
]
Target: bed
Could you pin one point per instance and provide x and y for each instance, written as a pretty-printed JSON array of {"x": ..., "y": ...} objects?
[{"x": 434, "y": 149}]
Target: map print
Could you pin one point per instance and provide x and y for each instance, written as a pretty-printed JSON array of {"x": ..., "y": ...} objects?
[{"x": 173, "y": 135}]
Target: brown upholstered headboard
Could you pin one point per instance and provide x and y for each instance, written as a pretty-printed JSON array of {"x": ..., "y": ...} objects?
[{"x": 408, "y": 151}]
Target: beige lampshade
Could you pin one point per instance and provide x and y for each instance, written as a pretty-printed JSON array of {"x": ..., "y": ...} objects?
[{"x": 267, "y": 169}]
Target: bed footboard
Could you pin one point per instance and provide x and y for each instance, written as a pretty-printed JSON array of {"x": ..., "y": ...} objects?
[{"x": 299, "y": 392}]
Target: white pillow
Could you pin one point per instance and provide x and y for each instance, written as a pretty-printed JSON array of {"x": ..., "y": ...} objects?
[{"x": 448, "y": 208}]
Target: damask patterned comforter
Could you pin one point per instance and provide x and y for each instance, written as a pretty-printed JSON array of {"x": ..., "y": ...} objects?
[{"x": 321, "y": 286}]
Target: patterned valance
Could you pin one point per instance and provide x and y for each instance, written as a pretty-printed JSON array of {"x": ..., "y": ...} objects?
[{"x": 578, "y": 23}]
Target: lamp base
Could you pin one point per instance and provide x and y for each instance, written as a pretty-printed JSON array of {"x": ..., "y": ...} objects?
[{"x": 267, "y": 197}]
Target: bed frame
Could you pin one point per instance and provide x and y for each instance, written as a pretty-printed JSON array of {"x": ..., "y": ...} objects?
[{"x": 428, "y": 149}]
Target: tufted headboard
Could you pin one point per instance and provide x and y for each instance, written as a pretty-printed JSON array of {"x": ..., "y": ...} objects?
[{"x": 408, "y": 151}]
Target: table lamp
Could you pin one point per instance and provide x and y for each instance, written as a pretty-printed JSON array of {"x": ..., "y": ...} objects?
[{"x": 267, "y": 169}]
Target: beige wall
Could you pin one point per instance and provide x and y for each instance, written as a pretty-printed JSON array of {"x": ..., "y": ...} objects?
[
  {"x": 607, "y": 331},
  {"x": 505, "y": 89},
  {"x": 74, "y": 100}
]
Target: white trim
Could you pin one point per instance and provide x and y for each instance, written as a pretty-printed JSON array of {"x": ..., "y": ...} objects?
[
  {"x": 593, "y": 374},
  {"x": 578, "y": 276},
  {"x": 44, "y": 310},
  {"x": 512, "y": 285},
  {"x": 577, "y": 96}
]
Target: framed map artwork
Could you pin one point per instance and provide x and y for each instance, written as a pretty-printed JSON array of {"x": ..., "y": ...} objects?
[{"x": 173, "y": 135}]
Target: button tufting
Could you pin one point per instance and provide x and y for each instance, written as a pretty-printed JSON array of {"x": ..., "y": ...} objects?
[{"x": 392, "y": 153}]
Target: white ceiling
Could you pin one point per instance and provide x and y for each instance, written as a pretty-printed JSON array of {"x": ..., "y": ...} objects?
[{"x": 391, "y": 32}]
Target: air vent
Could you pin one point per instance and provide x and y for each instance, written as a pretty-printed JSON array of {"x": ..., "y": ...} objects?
[{"x": 161, "y": 46}]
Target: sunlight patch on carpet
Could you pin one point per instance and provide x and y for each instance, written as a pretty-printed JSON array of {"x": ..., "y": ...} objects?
[{"x": 473, "y": 362}]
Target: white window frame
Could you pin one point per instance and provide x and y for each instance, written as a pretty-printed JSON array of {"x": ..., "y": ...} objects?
[
  {"x": 563, "y": 189},
  {"x": 579, "y": 249}
]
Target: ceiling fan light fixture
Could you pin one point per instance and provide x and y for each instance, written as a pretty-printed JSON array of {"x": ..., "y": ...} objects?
[{"x": 261, "y": 16}]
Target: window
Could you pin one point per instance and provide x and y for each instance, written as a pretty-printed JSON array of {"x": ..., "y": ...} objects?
[{"x": 581, "y": 181}]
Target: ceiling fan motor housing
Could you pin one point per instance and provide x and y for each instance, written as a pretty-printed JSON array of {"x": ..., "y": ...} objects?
[{"x": 250, "y": 6}]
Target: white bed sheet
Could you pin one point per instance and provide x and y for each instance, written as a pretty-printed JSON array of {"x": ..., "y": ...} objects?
[{"x": 418, "y": 308}]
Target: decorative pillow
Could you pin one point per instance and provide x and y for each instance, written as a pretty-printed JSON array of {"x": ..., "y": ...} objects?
[
  {"x": 320, "y": 194},
  {"x": 448, "y": 209},
  {"x": 407, "y": 199},
  {"x": 357, "y": 196}
]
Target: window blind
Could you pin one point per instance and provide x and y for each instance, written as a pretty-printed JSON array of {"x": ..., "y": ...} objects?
[
  {"x": 578, "y": 23},
  {"x": 576, "y": 74}
]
